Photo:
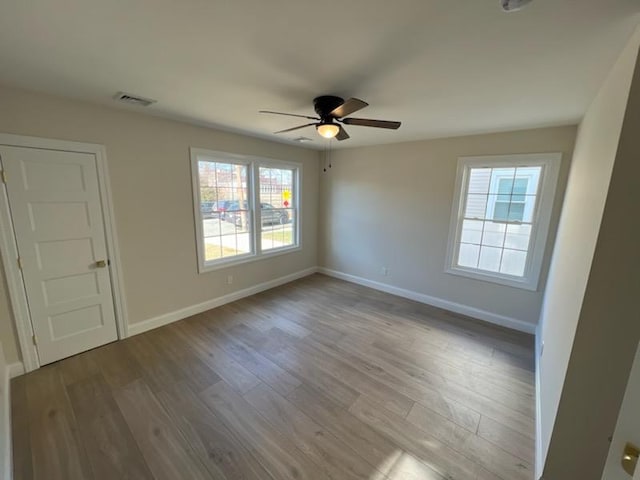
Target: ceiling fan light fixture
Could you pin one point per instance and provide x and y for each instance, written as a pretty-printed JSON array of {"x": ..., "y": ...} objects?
[{"x": 328, "y": 130}]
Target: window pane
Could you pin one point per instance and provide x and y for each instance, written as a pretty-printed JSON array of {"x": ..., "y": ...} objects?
[
  {"x": 479, "y": 180},
  {"x": 519, "y": 189},
  {"x": 497, "y": 176},
  {"x": 277, "y": 208},
  {"x": 490, "y": 259},
  {"x": 501, "y": 211},
  {"x": 493, "y": 234},
  {"x": 227, "y": 227},
  {"x": 476, "y": 206},
  {"x": 511, "y": 212},
  {"x": 513, "y": 262},
  {"x": 528, "y": 208},
  {"x": 471, "y": 231},
  {"x": 505, "y": 187},
  {"x": 468, "y": 256},
  {"x": 518, "y": 237}
]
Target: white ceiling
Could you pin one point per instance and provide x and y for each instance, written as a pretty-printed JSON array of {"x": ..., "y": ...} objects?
[{"x": 442, "y": 67}]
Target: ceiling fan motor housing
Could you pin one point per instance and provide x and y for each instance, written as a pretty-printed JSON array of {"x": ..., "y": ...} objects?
[{"x": 326, "y": 104}]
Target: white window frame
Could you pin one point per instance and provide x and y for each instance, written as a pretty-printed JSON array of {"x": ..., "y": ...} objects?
[
  {"x": 550, "y": 163},
  {"x": 253, "y": 164}
]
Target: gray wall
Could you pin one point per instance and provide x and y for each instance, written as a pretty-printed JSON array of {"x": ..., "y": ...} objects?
[
  {"x": 5, "y": 433},
  {"x": 150, "y": 173},
  {"x": 590, "y": 321},
  {"x": 390, "y": 206}
]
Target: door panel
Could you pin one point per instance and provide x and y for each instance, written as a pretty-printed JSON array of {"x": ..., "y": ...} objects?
[
  {"x": 627, "y": 428},
  {"x": 57, "y": 216}
]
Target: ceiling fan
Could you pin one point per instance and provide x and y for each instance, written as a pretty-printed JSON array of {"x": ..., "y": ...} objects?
[{"x": 332, "y": 109}]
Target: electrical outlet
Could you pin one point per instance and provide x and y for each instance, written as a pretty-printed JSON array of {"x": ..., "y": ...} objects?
[
  {"x": 229, "y": 279},
  {"x": 384, "y": 271}
]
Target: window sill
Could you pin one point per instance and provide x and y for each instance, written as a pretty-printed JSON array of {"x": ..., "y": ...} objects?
[
  {"x": 515, "y": 282},
  {"x": 248, "y": 258}
]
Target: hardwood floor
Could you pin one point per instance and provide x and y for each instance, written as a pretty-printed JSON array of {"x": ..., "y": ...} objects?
[{"x": 315, "y": 379}]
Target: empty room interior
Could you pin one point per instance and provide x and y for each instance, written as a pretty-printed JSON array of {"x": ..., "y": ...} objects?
[{"x": 285, "y": 240}]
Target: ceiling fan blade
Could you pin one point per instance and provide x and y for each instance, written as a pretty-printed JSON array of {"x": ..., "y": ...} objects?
[
  {"x": 350, "y": 106},
  {"x": 366, "y": 122},
  {"x": 295, "y": 128},
  {"x": 342, "y": 134},
  {"x": 289, "y": 114}
]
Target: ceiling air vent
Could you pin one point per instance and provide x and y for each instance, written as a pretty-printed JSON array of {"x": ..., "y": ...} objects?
[{"x": 133, "y": 99}]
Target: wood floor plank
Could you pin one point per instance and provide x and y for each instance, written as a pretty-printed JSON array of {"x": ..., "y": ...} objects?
[
  {"x": 164, "y": 448},
  {"x": 116, "y": 364},
  {"x": 510, "y": 440},
  {"x": 264, "y": 319},
  {"x": 404, "y": 466},
  {"x": 154, "y": 370},
  {"x": 472, "y": 446},
  {"x": 407, "y": 384},
  {"x": 110, "y": 447},
  {"x": 346, "y": 373},
  {"x": 263, "y": 368},
  {"x": 457, "y": 369},
  {"x": 435, "y": 453},
  {"x": 20, "y": 430},
  {"x": 389, "y": 459},
  {"x": 274, "y": 346},
  {"x": 186, "y": 364},
  {"x": 311, "y": 317},
  {"x": 79, "y": 367},
  {"x": 374, "y": 447},
  {"x": 519, "y": 421},
  {"x": 333, "y": 456},
  {"x": 56, "y": 447},
  {"x": 215, "y": 357},
  {"x": 277, "y": 454},
  {"x": 221, "y": 451}
]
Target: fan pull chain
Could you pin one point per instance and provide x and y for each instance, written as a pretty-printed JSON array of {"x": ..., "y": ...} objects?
[{"x": 327, "y": 155}]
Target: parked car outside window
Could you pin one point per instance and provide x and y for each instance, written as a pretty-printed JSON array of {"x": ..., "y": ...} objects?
[
  {"x": 268, "y": 214},
  {"x": 220, "y": 208},
  {"x": 207, "y": 209},
  {"x": 271, "y": 215}
]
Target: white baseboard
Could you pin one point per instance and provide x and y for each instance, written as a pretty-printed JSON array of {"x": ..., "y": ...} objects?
[
  {"x": 490, "y": 317},
  {"x": 6, "y": 461},
  {"x": 538, "y": 455},
  {"x": 176, "y": 315}
]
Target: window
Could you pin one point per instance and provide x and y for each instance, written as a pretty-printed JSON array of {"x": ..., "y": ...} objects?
[
  {"x": 277, "y": 212},
  {"x": 501, "y": 216},
  {"x": 227, "y": 188}
]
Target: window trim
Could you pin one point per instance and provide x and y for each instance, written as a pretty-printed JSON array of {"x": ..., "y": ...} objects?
[
  {"x": 550, "y": 163},
  {"x": 253, "y": 187}
]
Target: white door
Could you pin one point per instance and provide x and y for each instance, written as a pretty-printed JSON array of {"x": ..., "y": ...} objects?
[
  {"x": 55, "y": 206},
  {"x": 627, "y": 428}
]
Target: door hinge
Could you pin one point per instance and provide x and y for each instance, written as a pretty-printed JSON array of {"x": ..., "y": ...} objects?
[
  {"x": 35, "y": 340},
  {"x": 4, "y": 176},
  {"x": 19, "y": 263}
]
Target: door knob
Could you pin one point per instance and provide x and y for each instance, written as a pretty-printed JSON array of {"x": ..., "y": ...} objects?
[
  {"x": 630, "y": 458},
  {"x": 101, "y": 263}
]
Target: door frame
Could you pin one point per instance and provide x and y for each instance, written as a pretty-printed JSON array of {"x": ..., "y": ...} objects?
[{"x": 9, "y": 249}]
